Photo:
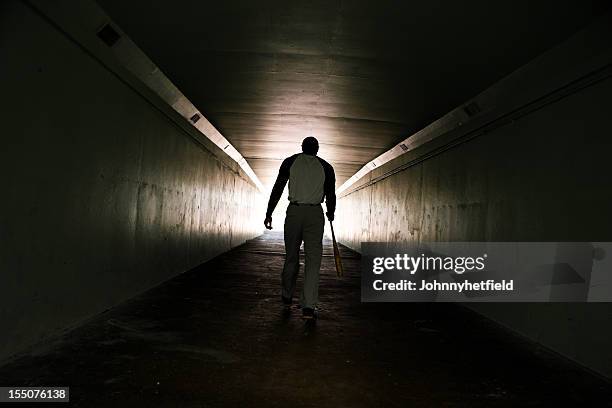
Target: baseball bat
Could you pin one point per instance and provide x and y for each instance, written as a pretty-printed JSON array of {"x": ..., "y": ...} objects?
[{"x": 337, "y": 258}]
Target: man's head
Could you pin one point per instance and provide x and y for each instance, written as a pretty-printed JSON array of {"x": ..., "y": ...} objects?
[{"x": 310, "y": 145}]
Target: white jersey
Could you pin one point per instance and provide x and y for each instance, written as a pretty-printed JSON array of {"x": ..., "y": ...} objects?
[
  {"x": 311, "y": 179},
  {"x": 306, "y": 180}
]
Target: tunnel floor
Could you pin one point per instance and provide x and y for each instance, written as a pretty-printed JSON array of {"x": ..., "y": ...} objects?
[{"x": 216, "y": 336}]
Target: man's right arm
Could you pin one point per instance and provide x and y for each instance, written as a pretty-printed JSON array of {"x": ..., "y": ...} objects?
[{"x": 279, "y": 186}]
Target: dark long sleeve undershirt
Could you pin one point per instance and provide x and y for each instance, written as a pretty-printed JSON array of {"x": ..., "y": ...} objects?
[
  {"x": 329, "y": 188},
  {"x": 279, "y": 184}
]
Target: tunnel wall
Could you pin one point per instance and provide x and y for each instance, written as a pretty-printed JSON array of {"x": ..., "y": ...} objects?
[
  {"x": 106, "y": 192},
  {"x": 543, "y": 176}
]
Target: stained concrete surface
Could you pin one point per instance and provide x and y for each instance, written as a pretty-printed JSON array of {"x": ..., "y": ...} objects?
[
  {"x": 104, "y": 192},
  {"x": 216, "y": 336},
  {"x": 541, "y": 177}
]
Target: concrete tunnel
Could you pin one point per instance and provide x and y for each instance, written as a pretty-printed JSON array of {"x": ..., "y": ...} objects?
[{"x": 140, "y": 143}]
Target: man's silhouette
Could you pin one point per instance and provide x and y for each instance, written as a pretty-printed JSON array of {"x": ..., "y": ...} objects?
[{"x": 310, "y": 180}]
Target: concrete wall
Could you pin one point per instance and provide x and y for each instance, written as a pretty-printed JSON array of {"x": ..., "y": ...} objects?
[
  {"x": 104, "y": 192},
  {"x": 543, "y": 176}
]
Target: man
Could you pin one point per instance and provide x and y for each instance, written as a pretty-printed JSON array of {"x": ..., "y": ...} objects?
[{"x": 310, "y": 180}]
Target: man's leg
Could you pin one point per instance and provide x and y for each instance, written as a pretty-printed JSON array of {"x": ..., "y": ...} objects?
[
  {"x": 293, "y": 240},
  {"x": 314, "y": 222}
]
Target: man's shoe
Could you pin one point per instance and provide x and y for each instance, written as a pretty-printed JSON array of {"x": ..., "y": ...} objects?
[{"x": 308, "y": 313}]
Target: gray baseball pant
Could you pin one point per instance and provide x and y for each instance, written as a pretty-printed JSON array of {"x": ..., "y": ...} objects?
[{"x": 303, "y": 223}]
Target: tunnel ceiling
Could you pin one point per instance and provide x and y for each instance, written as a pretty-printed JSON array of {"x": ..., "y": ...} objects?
[{"x": 358, "y": 75}]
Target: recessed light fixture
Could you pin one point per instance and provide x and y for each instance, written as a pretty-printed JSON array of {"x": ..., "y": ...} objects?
[
  {"x": 471, "y": 109},
  {"x": 109, "y": 35}
]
